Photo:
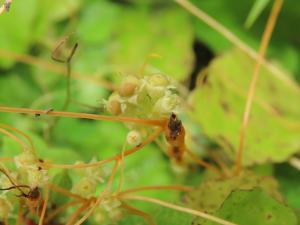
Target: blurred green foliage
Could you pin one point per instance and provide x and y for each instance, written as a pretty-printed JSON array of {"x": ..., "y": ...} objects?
[{"x": 115, "y": 38}]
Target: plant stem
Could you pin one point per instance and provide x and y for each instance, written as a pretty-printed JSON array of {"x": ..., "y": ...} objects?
[{"x": 262, "y": 50}]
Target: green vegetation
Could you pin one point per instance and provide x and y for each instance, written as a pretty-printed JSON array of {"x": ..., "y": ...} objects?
[{"x": 149, "y": 112}]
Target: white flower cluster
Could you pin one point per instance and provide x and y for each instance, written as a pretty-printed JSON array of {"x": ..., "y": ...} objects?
[
  {"x": 90, "y": 178},
  {"x": 31, "y": 173},
  {"x": 150, "y": 97},
  {"x": 109, "y": 211}
]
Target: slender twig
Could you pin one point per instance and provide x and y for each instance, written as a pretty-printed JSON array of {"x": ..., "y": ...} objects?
[
  {"x": 157, "y": 187},
  {"x": 101, "y": 196},
  {"x": 15, "y": 138},
  {"x": 41, "y": 220},
  {"x": 262, "y": 50},
  {"x": 67, "y": 61},
  {"x": 27, "y": 137},
  {"x": 34, "y": 61},
  {"x": 149, "y": 122},
  {"x": 214, "y": 24},
  {"x": 203, "y": 163},
  {"x": 102, "y": 162},
  {"x": 138, "y": 212},
  {"x": 178, "y": 208},
  {"x": 77, "y": 213},
  {"x": 60, "y": 209}
]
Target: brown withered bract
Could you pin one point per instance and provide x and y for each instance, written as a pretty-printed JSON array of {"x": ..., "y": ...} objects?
[{"x": 175, "y": 135}]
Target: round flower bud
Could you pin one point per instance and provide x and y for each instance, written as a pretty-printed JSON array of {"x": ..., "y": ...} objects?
[
  {"x": 166, "y": 104},
  {"x": 156, "y": 85},
  {"x": 113, "y": 105},
  {"x": 5, "y": 207},
  {"x": 128, "y": 86},
  {"x": 158, "y": 80},
  {"x": 134, "y": 138}
]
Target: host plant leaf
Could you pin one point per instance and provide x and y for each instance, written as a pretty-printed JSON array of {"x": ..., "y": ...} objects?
[{"x": 273, "y": 133}]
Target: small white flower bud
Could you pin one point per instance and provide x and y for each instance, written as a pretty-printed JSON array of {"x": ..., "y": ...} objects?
[
  {"x": 128, "y": 86},
  {"x": 134, "y": 138},
  {"x": 156, "y": 85},
  {"x": 166, "y": 104},
  {"x": 114, "y": 105}
]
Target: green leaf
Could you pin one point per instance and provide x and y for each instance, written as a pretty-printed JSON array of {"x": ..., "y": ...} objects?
[
  {"x": 63, "y": 180},
  {"x": 170, "y": 216},
  {"x": 211, "y": 193},
  {"x": 273, "y": 130},
  {"x": 255, "y": 11},
  {"x": 255, "y": 207}
]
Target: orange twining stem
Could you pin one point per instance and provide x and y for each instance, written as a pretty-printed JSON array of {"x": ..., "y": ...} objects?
[
  {"x": 60, "y": 209},
  {"x": 101, "y": 196},
  {"x": 175, "y": 135},
  {"x": 138, "y": 212},
  {"x": 150, "y": 122},
  {"x": 99, "y": 163},
  {"x": 157, "y": 187}
]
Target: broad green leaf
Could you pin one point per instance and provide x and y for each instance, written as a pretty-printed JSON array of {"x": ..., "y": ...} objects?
[
  {"x": 210, "y": 194},
  {"x": 273, "y": 133},
  {"x": 255, "y": 11},
  {"x": 170, "y": 216},
  {"x": 61, "y": 179},
  {"x": 137, "y": 35},
  {"x": 254, "y": 207}
]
